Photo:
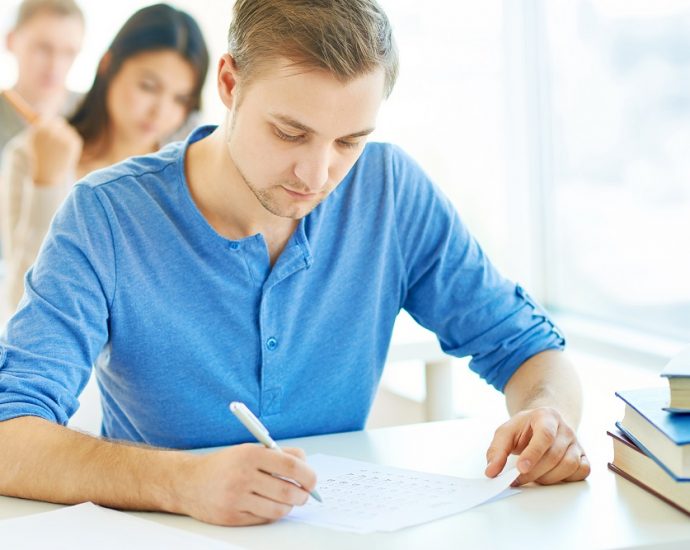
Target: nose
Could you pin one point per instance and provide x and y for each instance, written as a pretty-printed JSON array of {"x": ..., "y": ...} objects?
[
  {"x": 163, "y": 112},
  {"x": 313, "y": 167},
  {"x": 54, "y": 65},
  {"x": 158, "y": 107}
]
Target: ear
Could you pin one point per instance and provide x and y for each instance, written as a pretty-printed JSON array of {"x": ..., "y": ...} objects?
[{"x": 227, "y": 80}]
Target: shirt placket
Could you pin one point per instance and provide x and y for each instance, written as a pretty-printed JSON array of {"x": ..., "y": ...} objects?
[{"x": 275, "y": 347}]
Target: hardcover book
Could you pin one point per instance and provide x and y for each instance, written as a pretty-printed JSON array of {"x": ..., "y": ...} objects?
[
  {"x": 662, "y": 435},
  {"x": 635, "y": 466},
  {"x": 677, "y": 372}
]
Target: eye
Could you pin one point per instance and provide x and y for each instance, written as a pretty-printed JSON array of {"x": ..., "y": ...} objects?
[
  {"x": 350, "y": 144},
  {"x": 183, "y": 100},
  {"x": 285, "y": 137},
  {"x": 147, "y": 85}
]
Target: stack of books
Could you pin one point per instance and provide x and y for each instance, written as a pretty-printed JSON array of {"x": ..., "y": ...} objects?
[{"x": 651, "y": 445}]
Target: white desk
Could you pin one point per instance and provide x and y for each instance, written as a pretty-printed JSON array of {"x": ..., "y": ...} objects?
[{"x": 603, "y": 512}]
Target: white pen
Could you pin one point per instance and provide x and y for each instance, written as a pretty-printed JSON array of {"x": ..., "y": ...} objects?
[{"x": 258, "y": 430}]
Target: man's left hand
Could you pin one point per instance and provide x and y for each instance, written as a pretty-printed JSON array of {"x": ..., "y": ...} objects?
[{"x": 548, "y": 448}]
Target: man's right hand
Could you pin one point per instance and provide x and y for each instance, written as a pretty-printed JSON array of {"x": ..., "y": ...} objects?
[
  {"x": 56, "y": 148},
  {"x": 235, "y": 486}
]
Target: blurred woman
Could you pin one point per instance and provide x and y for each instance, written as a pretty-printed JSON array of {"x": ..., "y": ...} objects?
[{"x": 147, "y": 83}]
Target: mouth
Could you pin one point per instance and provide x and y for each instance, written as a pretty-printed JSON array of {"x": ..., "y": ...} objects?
[
  {"x": 299, "y": 196},
  {"x": 148, "y": 128}
]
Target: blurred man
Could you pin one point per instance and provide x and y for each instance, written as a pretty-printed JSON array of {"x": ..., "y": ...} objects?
[{"x": 45, "y": 40}]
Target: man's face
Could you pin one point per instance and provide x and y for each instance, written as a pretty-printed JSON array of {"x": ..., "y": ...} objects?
[
  {"x": 295, "y": 134},
  {"x": 45, "y": 47}
]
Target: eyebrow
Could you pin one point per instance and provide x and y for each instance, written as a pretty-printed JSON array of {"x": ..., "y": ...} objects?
[
  {"x": 148, "y": 73},
  {"x": 304, "y": 128}
]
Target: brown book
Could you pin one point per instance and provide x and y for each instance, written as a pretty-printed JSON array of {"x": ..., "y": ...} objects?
[{"x": 632, "y": 464}]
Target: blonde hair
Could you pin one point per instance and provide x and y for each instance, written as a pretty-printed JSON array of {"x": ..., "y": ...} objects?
[
  {"x": 348, "y": 38},
  {"x": 28, "y": 9}
]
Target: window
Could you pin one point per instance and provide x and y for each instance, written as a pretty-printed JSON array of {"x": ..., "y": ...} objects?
[{"x": 618, "y": 87}]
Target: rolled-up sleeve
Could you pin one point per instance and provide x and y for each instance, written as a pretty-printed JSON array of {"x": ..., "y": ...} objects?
[
  {"x": 455, "y": 291},
  {"x": 61, "y": 324}
]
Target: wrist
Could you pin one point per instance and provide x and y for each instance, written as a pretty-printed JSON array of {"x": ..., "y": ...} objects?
[
  {"x": 42, "y": 179},
  {"x": 172, "y": 492}
]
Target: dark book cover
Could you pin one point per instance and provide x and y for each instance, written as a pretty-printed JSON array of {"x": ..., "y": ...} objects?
[{"x": 649, "y": 402}]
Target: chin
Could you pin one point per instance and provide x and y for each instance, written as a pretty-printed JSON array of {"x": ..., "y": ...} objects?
[
  {"x": 50, "y": 87},
  {"x": 290, "y": 211}
]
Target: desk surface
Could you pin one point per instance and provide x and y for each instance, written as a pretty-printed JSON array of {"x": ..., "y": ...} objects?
[{"x": 604, "y": 511}]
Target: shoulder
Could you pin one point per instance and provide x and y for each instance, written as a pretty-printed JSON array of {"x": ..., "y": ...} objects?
[
  {"x": 166, "y": 167},
  {"x": 395, "y": 171},
  {"x": 378, "y": 154},
  {"x": 154, "y": 166},
  {"x": 72, "y": 101},
  {"x": 389, "y": 161},
  {"x": 10, "y": 122}
]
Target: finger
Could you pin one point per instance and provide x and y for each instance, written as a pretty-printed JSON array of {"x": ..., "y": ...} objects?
[
  {"x": 583, "y": 471},
  {"x": 295, "y": 451},
  {"x": 499, "y": 449},
  {"x": 566, "y": 467},
  {"x": 289, "y": 466},
  {"x": 238, "y": 519},
  {"x": 544, "y": 432},
  {"x": 265, "y": 508},
  {"x": 282, "y": 491},
  {"x": 550, "y": 460}
]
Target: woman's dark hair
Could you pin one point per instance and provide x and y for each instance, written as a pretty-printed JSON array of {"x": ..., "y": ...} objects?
[{"x": 157, "y": 27}]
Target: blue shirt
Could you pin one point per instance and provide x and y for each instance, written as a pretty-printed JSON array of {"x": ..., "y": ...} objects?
[{"x": 180, "y": 321}]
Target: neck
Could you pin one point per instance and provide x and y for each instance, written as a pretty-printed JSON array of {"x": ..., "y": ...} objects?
[
  {"x": 222, "y": 196},
  {"x": 112, "y": 149},
  {"x": 46, "y": 105}
]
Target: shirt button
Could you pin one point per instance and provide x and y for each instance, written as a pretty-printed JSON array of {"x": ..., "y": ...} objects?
[
  {"x": 271, "y": 343},
  {"x": 234, "y": 246}
]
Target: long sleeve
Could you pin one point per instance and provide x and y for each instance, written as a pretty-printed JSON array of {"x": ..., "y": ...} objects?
[
  {"x": 56, "y": 334},
  {"x": 26, "y": 213},
  {"x": 454, "y": 290}
]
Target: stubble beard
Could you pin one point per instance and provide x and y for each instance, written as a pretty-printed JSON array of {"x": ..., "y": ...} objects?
[{"x": 267, "y": 197}]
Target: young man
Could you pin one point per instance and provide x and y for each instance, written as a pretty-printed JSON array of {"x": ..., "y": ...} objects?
[
  {"x": 263, "y": 261},
  {"x": 45, "y": 40}
]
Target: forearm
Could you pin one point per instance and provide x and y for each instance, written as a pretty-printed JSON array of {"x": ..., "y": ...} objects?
[
  {"x": 44, "y": 461},
  {"x": 547, "y": 379}
]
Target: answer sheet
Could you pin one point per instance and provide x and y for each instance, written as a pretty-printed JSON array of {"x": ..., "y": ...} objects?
[
  {"x": 364, "y": 497},
  {"x": 89, "y": 526}
]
